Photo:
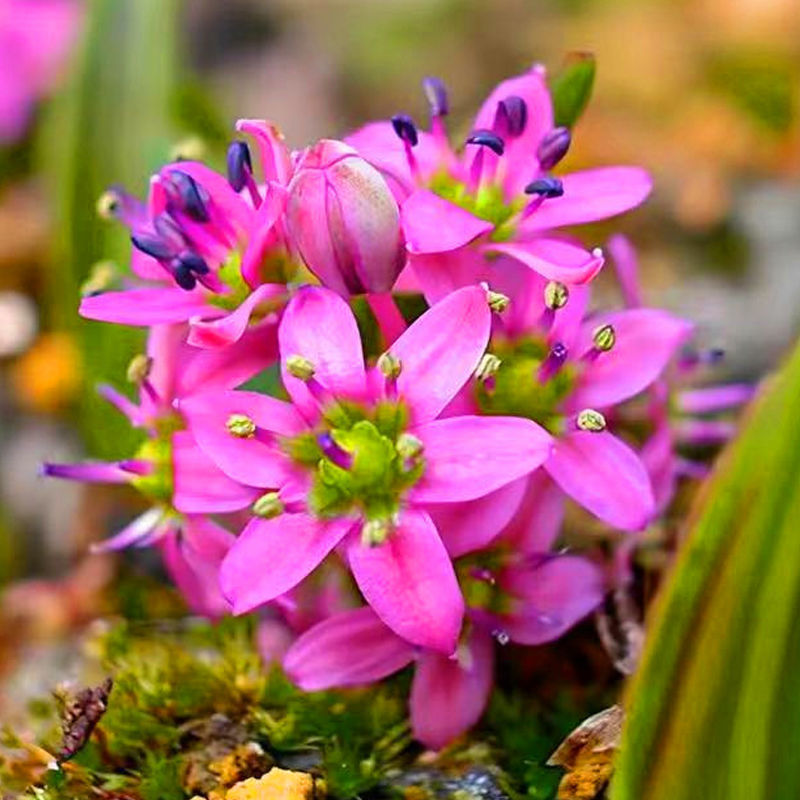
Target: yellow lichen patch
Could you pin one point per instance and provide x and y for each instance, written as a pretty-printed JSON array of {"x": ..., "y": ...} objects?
[
  {"x": 277, "y": 784},
  {"x": 246, "y": 759}
]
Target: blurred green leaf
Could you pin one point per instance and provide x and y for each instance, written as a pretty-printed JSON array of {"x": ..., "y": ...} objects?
[
  {"x": 572, "y": 87},
  {"x": 111, "y": 125},
  {"x": 714, "y": 710}
]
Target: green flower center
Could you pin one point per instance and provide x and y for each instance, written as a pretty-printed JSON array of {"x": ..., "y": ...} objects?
[
  {"x": 476, "y": 577},
  {"x": 362, "y": 461},
  {"x": 157, "y": 486},
  {"x": 277, "y": 267},
  {"x": 515, "y": 389},
  {"x": 487, "y": 203}
]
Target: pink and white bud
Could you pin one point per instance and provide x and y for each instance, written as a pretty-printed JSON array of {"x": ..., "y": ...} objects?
[{"x": 344, "y": 221}]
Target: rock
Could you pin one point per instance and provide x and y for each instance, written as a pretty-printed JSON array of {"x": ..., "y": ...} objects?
[{"x": 277, "y": 784}]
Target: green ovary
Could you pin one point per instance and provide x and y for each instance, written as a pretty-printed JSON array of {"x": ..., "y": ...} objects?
[
  {"x": 516, "y": 390},
  {"x": 158, "y": 485},
  {"x": 378, "y": 475},
  {"x": 487, "y": 203}
]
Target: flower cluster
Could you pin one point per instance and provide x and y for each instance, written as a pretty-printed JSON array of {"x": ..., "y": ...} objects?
[{"x": 441, "y": 393}]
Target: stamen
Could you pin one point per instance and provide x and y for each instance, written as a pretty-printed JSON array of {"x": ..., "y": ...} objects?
[
  {"x": 240, "y": 165},
  {"x": 406, "y": 130},
  {"x": 556, "y": 295},
  {"x": 497, "y": 302},
  {"x": 183, "y": 276},
  {"x": 139, "y": 368},
  {"x": 268, "y": 506},
  {"x": 408, "y": 446},
  {"x": 486, "y": 370},
  {"x": 333, "y": 452},
  {"x": 487, "y": 138},
  {"x": 193, "y": 262},
  {"x": 545, "y": 188},
  {"x": 591, "y": 420},
  {"x": 116, "y": 203},
  {"x": 136, "y": 466},
  {"x": 390, "y": 366},
  {"x": 240, "y": 171},
  {"x": 511, "y": 117},
  {"x": 102, "y": 276},
  {"x": 375, "y": 532},
  {"x": 556, "y": 359},
  {"x": 604, "y": 338},
  {"x": 436, "y": 94},
  {"x": 152, "y": 245},
  {"x": 184, "y": 191},
  {"x": 553, "y": 147},
  {"x": 241, "y": 426},
  {"x": 300, "y": 367}
]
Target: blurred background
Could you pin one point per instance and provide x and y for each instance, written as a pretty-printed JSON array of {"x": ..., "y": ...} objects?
[{"x": 704, "y": 93}]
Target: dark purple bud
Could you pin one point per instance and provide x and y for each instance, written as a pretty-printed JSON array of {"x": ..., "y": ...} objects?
[
  {"x": 184, "y": 191},
  {"x": 545, "y": 187},
  {"x": 511, "y": 117},
  {"x": 153, "y": 245},
  {"x": 240, "y": 165},
  {"x": 553, "y": 147},
  {"x": 183, "y": 276},
  {"x": 405, "y": 128},
  {"x": 193, "y": 262},
  {"x": 436, "y": 94},
  {"x": 488, "y": 139}
]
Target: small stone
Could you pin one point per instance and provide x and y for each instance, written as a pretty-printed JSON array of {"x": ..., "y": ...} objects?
[{"x": 277, "y": 784}]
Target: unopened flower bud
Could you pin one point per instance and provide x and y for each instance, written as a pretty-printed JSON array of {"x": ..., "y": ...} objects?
[
  {"x": 300, "y": 367},
  {"x": 241, "y": 426},
  {"x": 604, "y": 338},
  {"x": 555, "y": 295},
  {"x": 497, "y": 302},
  {"x": 344, "y": 220},
  {"x": 591, "y": 420},
  {"x": 375, "y": 532},
  {"x": 408, "y": 445},
  {"x": 268, "y": 506},
  {"x": 390, "y": 366},
  {"x": 139, "y": 368},
  {"x": 487, "y": 367}
]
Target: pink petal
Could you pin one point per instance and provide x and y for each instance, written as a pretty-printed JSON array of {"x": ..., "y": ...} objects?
[
  {"x": 229, "y": 367},
  {"x": 254, "y": 461},
  {"x": 199, "y": 485},
  {"x": 626, "y": 265},
  {"x": 410, "y": 583},
  {"x": 192, "y": 558},
  {"x": 469, "y": 526},
  {"x": 271, "y": 556},
  {"x": 468, "y": 457},
  {"x": 591, "y": 195},
  {"x": 319, "y": 326},
  {"x": 448, "y": 697},
  {"x": 273, "y": 639},
  {"x": 604, "y": 475},
  {"x": 553, "y": 596},
  {"x": 537, "y": 523},
  {"x": 438, "y": 274},
  {"x": 711, "y": 399},
  {"x": 441, "y": 350},
  {"x": 553, "y": 259},
  {"x": 349, "y": 649},
  {"x": 276, "y": 161},
  {"x": 264, "y": 234},
  {"x": 135, "y": 534},
  {"x": 661, "y": 462},
  {"x": 146, "y": 306},
  {"x": 646, "y": 339},
  {"x": 225, "y": 330},
  {"x": 434, "y": 225}
]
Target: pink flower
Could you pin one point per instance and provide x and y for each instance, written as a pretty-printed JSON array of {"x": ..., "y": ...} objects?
[
  {"x": 677, "y": 415},
  {"x": 35, "y": 40},
  {"x": 529, "y": 596},
  {"x": 358, "y": 456},
  {"x": 344, "y": 220},
  {"x": 169, "y": 470},
  {"x": 568, "y": 373},
  {"x": 206, "y": 250},
  {"x": 461, "y": 210}
]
